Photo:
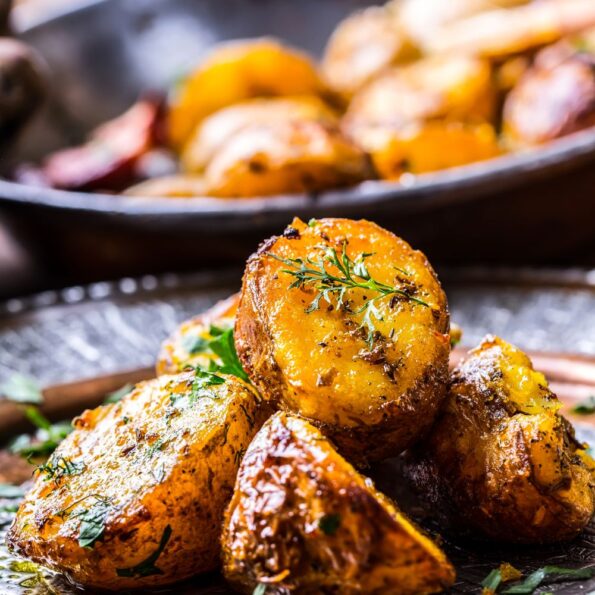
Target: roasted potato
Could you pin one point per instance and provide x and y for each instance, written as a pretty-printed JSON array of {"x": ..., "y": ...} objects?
[
  {"x": 501, "y": 461},
  {"x": 135, "y": 496},
  {"x": 343, "y": 323},
  {"x": 361, "y": 47},
  {"x": 234, "y": 72},
  {"x": 174, "y": 186},
  {"x": 554, "y": 98},
  {"x": 218, "y": 128},
  {"x": 285, "y": 157},
  {"x": 303, "y": 520},
  {"x": 187, "y": 346},
  {"x": 421, "y": 148}
]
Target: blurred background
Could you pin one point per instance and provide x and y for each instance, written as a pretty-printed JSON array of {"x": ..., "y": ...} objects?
[{"x": 464, "y": 126}]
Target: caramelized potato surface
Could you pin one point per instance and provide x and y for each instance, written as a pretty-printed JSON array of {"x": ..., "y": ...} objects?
[
  {"x": 135, "y": 496},
  {"x": 368, "y": 367},
  {"x": 303, "y": 520},
  {"x": 285, "y": 157},
  {"x": 361, "y": 47},
  {"x": 236, "y": 71},
  {"x": 186, "y": 347},
  {"x": 554, "y": 98},
  {"x": 175, "y": 186},
  {"x": 500, "y": 459},
  {"x": 215, "y": 130}
]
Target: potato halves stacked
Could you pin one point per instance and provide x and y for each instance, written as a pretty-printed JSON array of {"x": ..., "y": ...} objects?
[{"x": 344, "y": 329}]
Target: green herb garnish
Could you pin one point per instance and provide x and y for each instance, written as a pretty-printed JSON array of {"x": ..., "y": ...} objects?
[
  {"x": 117, "y": 395},
  {"x": 201, "y": 384},
  {"x": 329, "y": 523},
  {"x": 493, "y": 580},
  {"x": 59, "y": 468},
  {"x": 586, "y": 407},
  {"x": 147, "y": 567},
  {"x": 260, "y": 589},
  {"x": 45, "y": 440},
  {"x": 535, "y": 579},
  {"x": 22, "y": 389},
  {"x": 93, "y": 521},
  {"x": 333, "y": 287}
]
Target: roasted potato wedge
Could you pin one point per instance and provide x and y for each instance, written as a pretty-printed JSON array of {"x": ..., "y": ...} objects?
[
  {"x": 135, "y": 496},
  {"x": 218, "y": 128},
  {"x": 554, "y": 98},
  {"x": 303, "y": 520},
  {"x": 361, "y": 47},
  {"x": 234, "y": 72},
  {"x": 501, "y": 461},
  {"x": 368, "y": 366},
  {"x": 174, "y": 186},
  {"x": 419, "y": 149},
  {"x": 187, "y": 346},
  {"x": 285, "y": 157}
]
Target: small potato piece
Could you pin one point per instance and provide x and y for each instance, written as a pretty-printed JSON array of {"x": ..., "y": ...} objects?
[
  {"x": 500, "y": 459},
  {"x": 421, "y": 149},
  {"x": 165, "y": 456},
  {"x": 218, "y": 128},
  {"x": 285, "y": 157},
  {"x": 183, "y": 348},
  {"x": 236, "y": 71},
  {"x": 176, "y": 186},
  {"x": 553, "y": 99},
  {"x": 303, "y": 520},
  {"x": 362, "y": 46},
  {"x": 453, "y": 87},
  {"x": 371, "y": 380}
]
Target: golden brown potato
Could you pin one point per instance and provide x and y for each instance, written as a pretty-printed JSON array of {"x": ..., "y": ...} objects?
[
  {"x": 212, "y": 134},
  {"x": 175, "y": 186},
  {"x": 303, "y": 520},
  {"x": 135, "y": 496},
  {"x": 500, "y": 459},
  {"x": 187, "y": 347},
  {"x": 554, "y": 98},
  {"x": 236, "y": 71},
  {"x": 362, "y": 46},
  {"x": 358, "y": 345},
  {"x": 430, "y": 147},
  {"x": 405, "y": 118},
  {"x": 284, "y": 157},
  {"x": 498, "y": 34}
]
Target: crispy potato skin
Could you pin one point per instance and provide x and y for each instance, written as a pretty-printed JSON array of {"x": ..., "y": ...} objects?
[
  {"x": 283, "y": 157},
  {"x": 291, "y": 479},
  {"x": 554, "y": 98},
  {"x": 174, "y": 356},
  {"x": 500, "y": 460},
  {"x": 215, "y": 130},
  {"x": 236, "y": 71},
  {"x": 361, "y": 47},
  {"x": 372, "y": 403},
  {"x": 174, "y": 186},
  {"x": 157, "y": 464}
]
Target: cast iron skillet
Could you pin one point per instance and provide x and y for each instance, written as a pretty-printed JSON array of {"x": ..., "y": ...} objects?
[{"x": 103, "y": 53}]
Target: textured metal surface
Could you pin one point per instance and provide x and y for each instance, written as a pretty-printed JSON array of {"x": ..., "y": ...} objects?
[{"x": 108, "y": 327}]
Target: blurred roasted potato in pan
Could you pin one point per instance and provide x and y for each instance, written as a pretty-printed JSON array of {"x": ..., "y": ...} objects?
[
  {"x": 174, "y": 186},
  {"x": 189, "y": 344},
  {"x": 236, "y": 71},
  {"x": 345, "y": 324},
  {"x": 555, "y": 97},
  {"x": 303, "y": 520},
  {"x": 217, "y": 129},
  {"x": 500, "y": 460},
  {"x": 135, "y": 496},
  {"x": 283, "y": 157},
  {"x": 362, "y": 46}
]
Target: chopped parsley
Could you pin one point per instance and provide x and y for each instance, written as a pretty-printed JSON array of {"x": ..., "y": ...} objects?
[
  {"x": 586, "y": 407},
  {"x": 56, "y": 470},
  {"x": 92, "y": 522},
  {"x": 147, "y": 567},
  {"x": 329, "y": 523}
]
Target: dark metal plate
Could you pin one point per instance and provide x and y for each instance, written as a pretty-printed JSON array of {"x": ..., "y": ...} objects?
[{"x": 110, "y": 328}]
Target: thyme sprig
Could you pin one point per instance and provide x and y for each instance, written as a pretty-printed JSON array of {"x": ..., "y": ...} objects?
[{"x": 333, "y": 286}]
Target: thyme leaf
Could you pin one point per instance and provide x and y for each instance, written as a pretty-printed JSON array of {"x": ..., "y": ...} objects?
[
  {"x": 56, "y": 470},
  {"x": 334, "y": 274},
  {"x": 147, "y": 567}
]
